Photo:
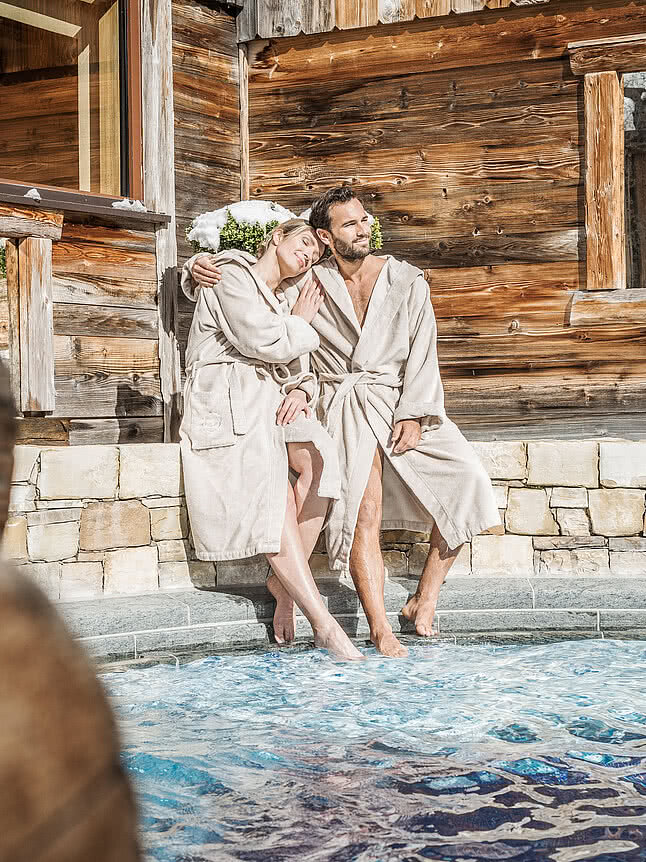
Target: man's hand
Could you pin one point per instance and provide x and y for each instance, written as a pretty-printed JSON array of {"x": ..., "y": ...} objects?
[
  {"x": 406, "y": 435},
  {"x": 205, "y": 272},
  {"x": 293, "y": 405}
]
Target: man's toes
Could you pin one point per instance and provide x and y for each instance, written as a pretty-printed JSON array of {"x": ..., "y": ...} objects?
[{"x": 425, "y": 630}]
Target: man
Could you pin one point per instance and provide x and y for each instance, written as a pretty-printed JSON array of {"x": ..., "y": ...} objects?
[{"x": 404, "y": 464}]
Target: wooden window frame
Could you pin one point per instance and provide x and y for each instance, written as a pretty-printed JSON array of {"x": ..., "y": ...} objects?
[
  {"x": 601, "y": 63},
  {"x": 133, "y": 89}
]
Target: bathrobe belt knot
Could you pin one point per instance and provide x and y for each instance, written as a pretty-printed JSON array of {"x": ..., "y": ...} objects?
[{"x": 355, "y": 380}]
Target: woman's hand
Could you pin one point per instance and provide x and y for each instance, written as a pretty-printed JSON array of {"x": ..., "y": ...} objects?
[
  {"x": 406, "y": 436},
  {"x": 205, "y": 273},
  {"x": 309, "y": 300},
  {"x": 293, "y": 405}
]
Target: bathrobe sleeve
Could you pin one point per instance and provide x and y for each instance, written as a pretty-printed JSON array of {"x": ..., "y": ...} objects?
[
  {"x": 251, "y": 326},
  {"x": 422, "y": 395},
  {"x": 189, "y": 287}
]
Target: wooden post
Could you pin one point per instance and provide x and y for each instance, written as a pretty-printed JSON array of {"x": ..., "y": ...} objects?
[
  {"x": 604, "y": 181},
  {"x": 159, "y": 191},
  {"x": 243, "y": 71},
  {"x": 35, "y": 336}
]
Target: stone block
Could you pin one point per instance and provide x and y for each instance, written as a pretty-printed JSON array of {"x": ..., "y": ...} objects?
[
  {"x": 130, "y": 571},
  {"x": 417, "y": 559},
  {"x": 400, "y": 537},
  {"x": 628, "y": 564},
  {"x": 122, "y": 524},
  {"x": 90, "y": 556},
  {"x": 559, "y": 543},
  {"x": 81, "y": 581},
  {"x": 110, "y": 648},
  {"x": 511, "y": 556},
  {"x": 622, "y": 465},
  {"x": 53, "y": 541},
  {"x": 498, "y": 529},
  {"x": 14, "y": 540},
  {"x": 617, "y": 512},
  {"x": 201, "y": 638},
  {"x": 528, "y": 513},
  {"x": 563, "y": 463},
  {"x": 161, "y": 502},
  {"x": 172, "y": 551},
  {"x": 573, "y": 522},
  {"x": 53, "y": 516},
  {"x": 396, "y": 563},
  {"x": 460, "y": 594},
  {"x": 174, "y": 575},
  {"x": 634, "y": 543},
  {"x": 591, "y": 593},
  {"x": 25, "y": 459},
  {"x": 516, "y": 621},
  {"x": 502, "y": 459},
  {"x": 120, "y": 615},
  {"x": 569, "y": 498},
  {"x": 202, "y": 574},
  {"x": 79, "y": 472},
  {"x": 622, "y": 620},
  {"x": 500, "y": 493},
  {"x": 253, "y": 570},
  {"x": 45, "y": 575},
  {"x": 59, "y": 504},
  {"x": 168, "y": 523},
  {"x": 150, "y": 470},
  {"x": 23, "y": 498},
  {"x": 581, "y": 562}
]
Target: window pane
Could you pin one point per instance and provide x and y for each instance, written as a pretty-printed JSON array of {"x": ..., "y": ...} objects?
[
  {"x": 635, "y": 167},
  {"x": 60, "y": 110}
]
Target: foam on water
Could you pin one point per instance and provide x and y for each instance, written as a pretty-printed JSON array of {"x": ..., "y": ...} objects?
[{"x": 457, "y": 753}]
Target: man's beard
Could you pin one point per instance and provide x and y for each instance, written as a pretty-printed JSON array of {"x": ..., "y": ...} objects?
[{"x": 347, "y": 251}]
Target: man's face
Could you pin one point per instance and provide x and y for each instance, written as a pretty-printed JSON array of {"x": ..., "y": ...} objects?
[{"x": 349, "y": 234}]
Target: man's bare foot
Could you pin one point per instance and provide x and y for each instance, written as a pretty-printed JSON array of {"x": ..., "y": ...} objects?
[
  {"x": 388, "y": 645},
  {"x": 336, "y": 641},
  {"x": 284, "y": 624},
  {"x": 420, "y": 611}
]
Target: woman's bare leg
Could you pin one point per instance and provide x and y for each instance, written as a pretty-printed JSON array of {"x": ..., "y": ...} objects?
[
  {"x": 292, "y": 569},
  {"x": 305, "y": 460}
]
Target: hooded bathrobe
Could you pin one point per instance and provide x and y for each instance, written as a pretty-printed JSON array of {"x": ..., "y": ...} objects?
[
  {"x": 379, "y": 374},
  {"x": 245, "y": 353}
]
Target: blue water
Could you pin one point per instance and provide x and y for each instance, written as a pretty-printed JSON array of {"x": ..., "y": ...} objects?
[{"x": 457, "y": 753}]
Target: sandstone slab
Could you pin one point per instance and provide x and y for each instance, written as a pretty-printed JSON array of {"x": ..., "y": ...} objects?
[
  {"x": 81, "y": 581},
  {"x": 119, "y": 524},
  {"x": 25, "y": 459},
  {"x": 14, "y": 540},
  {"x": 528, "y": 513},
  {"x": 174, "y": 575},
  {"x": 563, "y": 463},
  {"x": 168, "y": 523},
  {"x": 417, "y": 559},
  {"x": 150, "y": 469},
  {"x": 617, "y": 512},
  {"x": 511, "y": 556},
  {"x": 172, "y": 551},
  {"x": 581, "y": 562},
  {"x": 622, "y": 464},
  {"x": 569, "y": 498},
  {"x": 500, "y": 493},
  {"x": 23, "y": 498},
  {"x": 51, "y": 542},
  {"x": 53, "y": 516},
  {"x": 502, "y": 459},
  {"x": 131, "y": 570},
  {"x": 46, "y": 575},
  {"x": 78, "y": 472},
  {"x": 573, "y": 522},
  {"x": 630, "y": 564},
  {"x": 559, "y": 543}
]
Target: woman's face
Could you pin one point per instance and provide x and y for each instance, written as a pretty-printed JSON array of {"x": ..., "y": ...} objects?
[{"x": 298, "y": 252}]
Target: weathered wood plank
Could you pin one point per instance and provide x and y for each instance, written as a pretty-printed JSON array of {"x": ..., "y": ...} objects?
[
  {"x": 574, "y": 424},
  {"x": 391, "y": 11},
  {"x": 13, "y": 312},
  {"x": 16, "y": 222},
  {"x": 159, "y": 195},
  {"x": 99, "y": 377},
  {"x": 604, "y": 307},
  {"x": 42, "y": 431},
  {"x": 350, "y": 14},
  {"x": 36, "y": 332},
  {"x": 111, "y": 321},
  {"x": 423, "y": 45},
  {"x": 604, "y": 181},
  {"x": 113, "y": 237},
  {"x": 111, "y": 431},
  {"x": 86, "y": 259},
  {"x": 104, "y": 290},
  {"x": 243, "y": 65},
  {"x": 626, "y": 54}
]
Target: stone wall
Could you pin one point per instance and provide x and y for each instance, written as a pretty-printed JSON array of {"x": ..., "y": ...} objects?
[{"x": 88, "y": 521}]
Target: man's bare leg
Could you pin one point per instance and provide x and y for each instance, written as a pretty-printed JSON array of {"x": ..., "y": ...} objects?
[
  {"x": 420, "y": 608},
  {"x": 367, "y": 565},
  {"x": 292, "y": 570},
  {"x": 305, "y": 460}
]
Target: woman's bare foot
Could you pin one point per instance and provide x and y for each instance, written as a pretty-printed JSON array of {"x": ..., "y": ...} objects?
[
  {"x": 336, "y": 641},
  {"x": 284, "y": 624},
  {"x": 421, "y": 612},
  {"x": 388, "y": 645}
]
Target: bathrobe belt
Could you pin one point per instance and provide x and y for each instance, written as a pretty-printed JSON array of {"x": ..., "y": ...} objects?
[{"x": 351, "y": 381}]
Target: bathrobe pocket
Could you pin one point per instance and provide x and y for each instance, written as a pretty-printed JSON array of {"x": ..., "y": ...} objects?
[{"x": 211, "y": 416}]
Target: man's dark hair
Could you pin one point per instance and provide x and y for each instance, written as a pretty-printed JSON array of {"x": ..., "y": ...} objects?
[{"x": 320, "y": 214}]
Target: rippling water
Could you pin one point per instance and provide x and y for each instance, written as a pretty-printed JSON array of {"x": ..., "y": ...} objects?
[{"x": 457, "y": 753}]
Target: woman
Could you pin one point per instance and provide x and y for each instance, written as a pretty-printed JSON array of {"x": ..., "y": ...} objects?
[{"x": 247, "y": 419}]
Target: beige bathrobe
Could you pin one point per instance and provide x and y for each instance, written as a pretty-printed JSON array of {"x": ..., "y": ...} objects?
[
  {"x": 381, "y": 373},
  {"x": 245, "y": 353}
]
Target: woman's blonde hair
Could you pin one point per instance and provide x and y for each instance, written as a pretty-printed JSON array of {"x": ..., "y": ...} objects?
[{"x": 291, "y": 226}]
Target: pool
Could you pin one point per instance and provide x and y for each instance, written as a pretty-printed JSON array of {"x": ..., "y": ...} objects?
[{"x": 460, "y": 753}]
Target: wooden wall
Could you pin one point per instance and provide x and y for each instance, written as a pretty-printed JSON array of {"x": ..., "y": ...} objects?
[{"x": 464, "y": 135}]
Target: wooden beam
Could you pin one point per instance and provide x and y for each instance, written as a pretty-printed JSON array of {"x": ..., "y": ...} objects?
[
  {"x": 36, "y": 328},
  {"x": 17, "y": 222},
  {"x": 159, "y": 191},
  {"x": 604, "y": 181},
  {"x": 602, "y": 308},
  {"x": 13, "y": 312},
  {"x": 623, "y": 54},
  {"x": 243, "y": 64}
]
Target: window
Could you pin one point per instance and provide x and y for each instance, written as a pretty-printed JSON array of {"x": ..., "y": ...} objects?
[
  {"x": 635, "y": 171},
  {"x": 69, "y": 72}
]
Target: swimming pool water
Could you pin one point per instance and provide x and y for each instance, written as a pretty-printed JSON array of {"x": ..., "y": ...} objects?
[{"x": 457, "y": 753}]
